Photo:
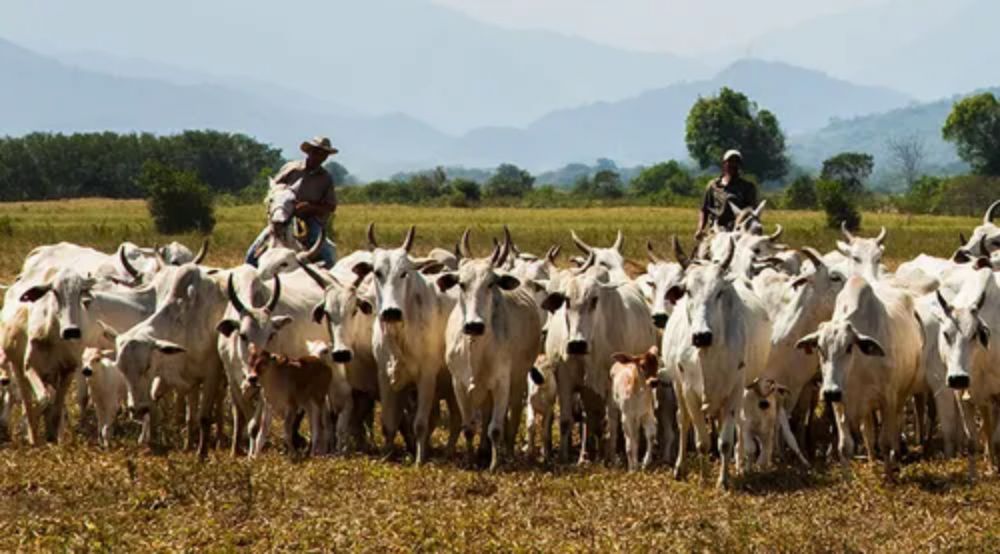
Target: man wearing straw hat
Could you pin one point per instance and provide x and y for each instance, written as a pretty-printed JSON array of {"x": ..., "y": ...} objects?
[
  {"x": 315, "y": 195},
  {"x": 723, "y": 192}
]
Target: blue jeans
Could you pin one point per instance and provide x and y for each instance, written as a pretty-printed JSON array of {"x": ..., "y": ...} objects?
[{"x": 314, "y": 228}]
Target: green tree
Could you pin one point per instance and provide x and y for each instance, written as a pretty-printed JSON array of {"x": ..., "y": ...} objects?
[
  {"x": 974, "y": 126},
  {"x": 801, "y": 194},
  {"x": 851, "y": 169},
  {"x": 177, "y": 200},
  {"x": 667, "y": 177},
  {"x": 924, "y": 196},
  {"x": 509, "y": 181},
  {"x": 839, "y": 205},
  {"x": 468, "y": 189},
  {"x": 731, "y": 120},
  {"x": 339, "y": 173}
]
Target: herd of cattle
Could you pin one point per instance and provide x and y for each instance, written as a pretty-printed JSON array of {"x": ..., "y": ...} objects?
[{"x": 737, "y": 341}]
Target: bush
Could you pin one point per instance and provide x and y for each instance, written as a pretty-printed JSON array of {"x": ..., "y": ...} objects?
[
  {"x": 801, "y": 194},
  {"x": 838, "y": 205},
  {"x": 468, "y": 190},
  {"x": 178, "y": 202},
  {"x": 509, "y": 181}
]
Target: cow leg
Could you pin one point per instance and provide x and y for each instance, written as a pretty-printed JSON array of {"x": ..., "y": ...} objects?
[
  {"x": 987, "y": 413},
  {"x": 239, "y": 429},
  {"x": 289, "y": 425},
  {"x": 501, "y": 401},
  {"x": 565, "y": 417},
  {"x": 893, "y": 453},
  {"x": 317, "y": 427},
  {"x": 845, "y": 445},
  {"x": 683, "y": 425},
  {"x": 211, "y": 391},
  {"x": 391, "y": 411},
  {"x": 190, "y": 416},
  {"x": 426, "y": 397},
  {"x": 468, "y": 428},
  {"x": 454, "y": 421},
  {"x": 650, "y": 430},
  {"x": 530, "y": 428},
  {"x": 630, "y": 428},
  {"x": 547, "y": 418},
  {"x": 515, "y": 410},
  {"x": 868, "y": 435},
  {"x": 55, "y": 411},
  {"x": 727, "y": 439},
  {"x": 786, "y": 432},
  {"x": 614, "y": 423},
  {"x": 946, "y": 413},
  {"x": 263, "y": 429},
  {"x": 666, "y": 419},
  {"x": 920, "y": 414}
]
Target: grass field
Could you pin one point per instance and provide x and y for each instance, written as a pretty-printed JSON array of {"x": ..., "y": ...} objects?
[{"x": 77, "y": 497}]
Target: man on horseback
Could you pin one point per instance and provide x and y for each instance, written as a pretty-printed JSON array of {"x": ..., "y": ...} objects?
[
  {"x": 723, "y": 193},
  {"x": 314, "y": 200}
]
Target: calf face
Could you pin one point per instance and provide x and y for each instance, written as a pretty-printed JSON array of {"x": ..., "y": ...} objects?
[
  {"x": 963, "y": 336},
  {"x": 645, "y": 367},
  {"x": 137, "y": 359},
  {"x": 838, "y": 345}
]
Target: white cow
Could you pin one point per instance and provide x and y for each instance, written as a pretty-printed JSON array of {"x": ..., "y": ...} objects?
[
  {"x": 985, "y": 238},
  {"x": 491, "y": 340},
  {"x": 408, "y": 341},
  {"x": 592, "y": 319},
  {"x": 862, "y": 256},
  {"x": 870, "y": 354},
  {"x": 661, "y": 275},
  {"x": 932, "y": 381},
  {"x": 716, "y": 343},
  {"x": 611, "y": 259},
  {"x": 107, "y": 387},
  {"x": 762, "y": 414},
  {"x": 542, "y": 394}
]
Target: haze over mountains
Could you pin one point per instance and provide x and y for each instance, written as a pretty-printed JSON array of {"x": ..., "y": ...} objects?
[{"x": 405, "y": 84}]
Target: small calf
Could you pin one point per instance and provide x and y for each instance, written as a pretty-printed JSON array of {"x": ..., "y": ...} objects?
[
  {"x": 340, "y": 400},
  {"x": 761, "y": 414},
  {"x": 632, "y": 381},
  {"x": 107, "y": 387},
  {"x": 542, "y": 394},
  {"x": 292, "y": 385}
]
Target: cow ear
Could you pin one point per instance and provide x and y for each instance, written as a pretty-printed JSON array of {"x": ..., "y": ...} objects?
[
  {"x": 226, "y": 327},
  {"x": 869, "y": 346},
  {"x": 168, "y": 347},
  {"x": 432, "y": 268},
  {"x": 362, "y": 269},
  {"x": 447, "y": 281},
  {"x": 365, "y": 306},
  {"x": 983, "y": 263},
  {"x": 553, "y": 302},
  {"x": 983, "y": 334},
  {"x": 537, "y": 377},
  {"x": 319, "y": 312},
  {"x": 799, "y": 282},
  {"x": 753, "y": 384},
  {"x": 675, "y": 293},
  {"x": 808, "y": 343},
  {"x": 508, "y": 282},
  {"x": 281, "y": 321},
  {"x": 36, "y": 292},
  {"x": 622, "y": 358}
]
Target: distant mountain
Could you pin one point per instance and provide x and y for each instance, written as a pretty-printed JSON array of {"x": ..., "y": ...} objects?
[
  {"x": 41, "y": 94},
  {"x": 871, "y": 134},
  {"x": 376, "y": 56},
  {"x": 927, "y": 48},
  {"x": 650, "y": 127}
]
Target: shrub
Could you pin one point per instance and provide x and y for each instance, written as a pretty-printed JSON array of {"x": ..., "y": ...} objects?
[
  {"x": 801, "y": 194},
  {"x": 178, "y": 202},
  {"x": 838, "y": 205}
]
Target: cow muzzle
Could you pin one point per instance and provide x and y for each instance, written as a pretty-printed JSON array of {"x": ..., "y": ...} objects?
[
  {"x": 702, "y": 339},
  {"x": 833, "y": 395},
  {"x": 87, "y": 372},
  {"x": 660, "y": 320},
  {"x": 474, "y": 328},
  {"x": 71, "y": 333},
  {"x": 577, "y": 347},
  {"x": 4, "y": 381},
  {"x": 958, "y": 382},
  {"x": 391, "y": 315},
  {"x": 342, "y": 356}
]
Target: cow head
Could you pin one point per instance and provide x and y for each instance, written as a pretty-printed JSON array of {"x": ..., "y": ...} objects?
[
  {"x": 984, "y": 241},
  {"x": 838, "y": 344},
  {"x": 344, "y": 309},
  {"x": 399, "y": 285},
  {"x": 710, "y": 293},
  {"x": 259, "y": 362},
  {"x": 138, "y": 357},
  {"x": 748, "y": 219},
  {"x": 576, "y": 299},
  {"x": 963, "y": 334},
  {"x": 864, "y": 256},
  {"x": 812, "y": 297},
  {"x": 480, "y": 283},
  {"x": 610, "y": 259},
  {"x": 661, "y": 276},
  {"x": 762, "y": 399},
  {"x": 281, "y": 259},
  {"x": 59, "y": 305},
  {"x": 252, "y": 326},
  {"x": 645, "y": 366}
]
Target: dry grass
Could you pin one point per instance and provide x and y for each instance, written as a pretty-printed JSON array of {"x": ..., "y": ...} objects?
[{"x": 77, "y": 497}]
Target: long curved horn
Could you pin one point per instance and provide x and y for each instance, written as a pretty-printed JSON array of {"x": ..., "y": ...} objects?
[
  {"x": 847, "y": 234},
  {"x": 320, "y": 280},
  {"x": 881, "y": 237},
  {"x": 408, "y": 239},
  {"x": 127, "y": 264},
  {"x": 777, "y": 233},
  {"x": 372, "y": 243},
  {"x": 813, "y": 256},
  {"x": 553, "y": 253},
  {"x": 234, "y": 298},
  {"x": 317, "y": 247},
  {"x": 652, "y": 253},
  {"x": 584, "y": 247},
  {"x": 729, "y": 255},
  {"x": 202, "y": 252},
  {"x": 988, "y": 216},
  {"x": 619, "y": 241},
  {"x": 586, "y": 265},
  {"x": 275, "y": 295},
  {"x": 505, "y": 247},
  {"x": 679, "y": 254},
  {"x": 464, "y": 249},
  {"x": 760, "y": 208}
]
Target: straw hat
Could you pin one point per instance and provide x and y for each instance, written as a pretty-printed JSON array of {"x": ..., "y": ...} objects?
[{"x": 318, "y": 143}]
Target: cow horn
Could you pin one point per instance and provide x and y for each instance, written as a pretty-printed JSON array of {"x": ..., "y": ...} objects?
[
  {"x": 127, "y": 264},
  {"x": 553, "y": 253},
  {"x": 234, "y": 298},
  {"x": 961, "y": 239},
  {"x": 505, "y": 247},
  {"x": 619, "y": 241},
  {"x": 847, "y": 234},
  {"x": 322, "y": 281},
  {"x": 881, "y": 236},
  {"x": 371, "y": 236},
  {"x": 464, "y": 249},
  {"x": 943, "y": 302},
  {"x": 652, "y": 253},
  {"x": 813, "y": 256},
  {"x": 317, "y": 247},
  {"x": 777, "y": 233},
  {"x": 760, "y": 207},
  {"x": 729, "y": 255},
  {"x": 584, "y": 247},
  {"x": 275, "y": 295},
  {"x": 682, "y": 258},
  {"x": 984, "y": 250},
  {"x": 988, "y": 216},
  {"x": 202, "y": 252},
  {"x": 159, "y": 256},
  {"x": 586, "y": 265},
  {"x": 408, "y": 239}
]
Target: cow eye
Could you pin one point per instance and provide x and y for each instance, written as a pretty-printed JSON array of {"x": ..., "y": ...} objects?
[
  {"x": 244, "y": 337},
  {"x": 651, "y": 284},
  {"x": 378, "y": 275},
  {"x": 403, "y": 275},
  {"x": 593, "y": 303},
  {"x": 836, "y": 278},
  {"x": 756, "y": 251}
]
